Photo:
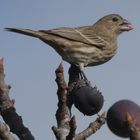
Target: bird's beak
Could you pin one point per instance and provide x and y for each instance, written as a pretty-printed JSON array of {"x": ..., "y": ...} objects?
[{"x": 126, "y": 26}]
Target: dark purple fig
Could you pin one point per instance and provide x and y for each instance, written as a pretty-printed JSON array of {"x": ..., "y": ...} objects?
[
  {"x": 87, "y": 99},
  {"x": 117, "y": 117}
]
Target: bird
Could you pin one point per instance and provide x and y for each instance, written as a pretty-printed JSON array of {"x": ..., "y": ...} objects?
[{"x": 84, "y": 46}]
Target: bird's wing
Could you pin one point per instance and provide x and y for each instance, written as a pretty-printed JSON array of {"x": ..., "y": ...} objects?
[{"x": 81, "y": 34}]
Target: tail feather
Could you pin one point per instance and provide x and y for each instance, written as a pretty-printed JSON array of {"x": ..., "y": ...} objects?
[{"x": 23, "y": 31}]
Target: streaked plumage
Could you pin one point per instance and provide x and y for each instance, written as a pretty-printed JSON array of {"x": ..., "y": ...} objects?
[{"x": 87, "y": 45}]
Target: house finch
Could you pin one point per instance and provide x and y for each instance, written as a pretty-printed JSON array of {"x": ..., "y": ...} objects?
[{"x": 87, "y": 45}]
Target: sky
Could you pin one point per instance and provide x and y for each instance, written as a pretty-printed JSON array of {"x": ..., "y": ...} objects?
[{"x": 30, "y": 64}]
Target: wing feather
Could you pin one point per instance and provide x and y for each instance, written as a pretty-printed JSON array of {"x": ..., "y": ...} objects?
[{"x": 82, "y": 34}]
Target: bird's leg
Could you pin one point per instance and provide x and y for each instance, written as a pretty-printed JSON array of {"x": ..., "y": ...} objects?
[
  {"x": 82, "y": 75},
  {"x": 76, "y": 72}
]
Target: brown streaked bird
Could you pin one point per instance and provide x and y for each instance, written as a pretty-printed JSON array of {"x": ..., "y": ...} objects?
[{"x": 84, "y": 46}]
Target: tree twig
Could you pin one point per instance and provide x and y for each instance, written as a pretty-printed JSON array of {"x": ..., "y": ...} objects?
[
  {"x": 73, "y": 127},
  {"x": 62, "y": 113},
  {"x": 92, "y": 128}
]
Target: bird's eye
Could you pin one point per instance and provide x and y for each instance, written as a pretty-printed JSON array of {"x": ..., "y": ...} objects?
[{"x": 114, "y": 19}]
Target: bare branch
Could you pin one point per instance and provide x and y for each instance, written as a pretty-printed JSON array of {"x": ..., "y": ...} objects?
[
  {"x": 66, "y": 126},
  {"x": 92, "y": 128},
  {"x": 73, "y": 127},
  {"x": 62, "y": 113},
  {"x": 8, "y": 111},
  {"x": 5, "y": 101},
  {"x": 5, "y": 134}
]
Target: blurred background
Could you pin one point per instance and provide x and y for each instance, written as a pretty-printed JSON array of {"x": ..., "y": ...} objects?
[{"x": 30, "y": 64}]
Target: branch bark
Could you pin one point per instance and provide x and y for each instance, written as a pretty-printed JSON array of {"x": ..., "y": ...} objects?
[
  {"x": 8, "y": 111},
  {"x": 5, "y": 133},
  {"x": 62, "y": 113},
  {"x": 92, "y": 128},
  {"x": 66, "y": 125}
]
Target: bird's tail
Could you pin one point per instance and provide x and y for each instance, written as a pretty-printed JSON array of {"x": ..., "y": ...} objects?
[{"x": 23, "y": 31}]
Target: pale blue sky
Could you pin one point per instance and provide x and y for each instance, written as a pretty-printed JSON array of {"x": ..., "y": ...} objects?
[{"x": 30, "y": 64}]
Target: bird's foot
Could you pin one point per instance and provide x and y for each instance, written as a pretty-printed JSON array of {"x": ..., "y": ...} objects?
[{"x": 82, "y": 75}]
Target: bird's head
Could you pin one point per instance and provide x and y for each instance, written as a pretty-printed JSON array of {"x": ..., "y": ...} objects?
[{"x": 114, "y": 23}]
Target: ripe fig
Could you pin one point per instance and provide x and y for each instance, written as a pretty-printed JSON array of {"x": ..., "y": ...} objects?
[{"x": 117, "y": 117}]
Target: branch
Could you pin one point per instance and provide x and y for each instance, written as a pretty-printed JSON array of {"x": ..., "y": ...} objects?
[
  {"x": 73, "y": 127},
  {"x": 66, "y": 126},
  {"x": 62, "y": 113},
  {"x": 92, "y": 128},
  {"x": 8, "y": 111},
  {"x": 5, "y": 101},
  {"x": 5, "y": 133}
]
